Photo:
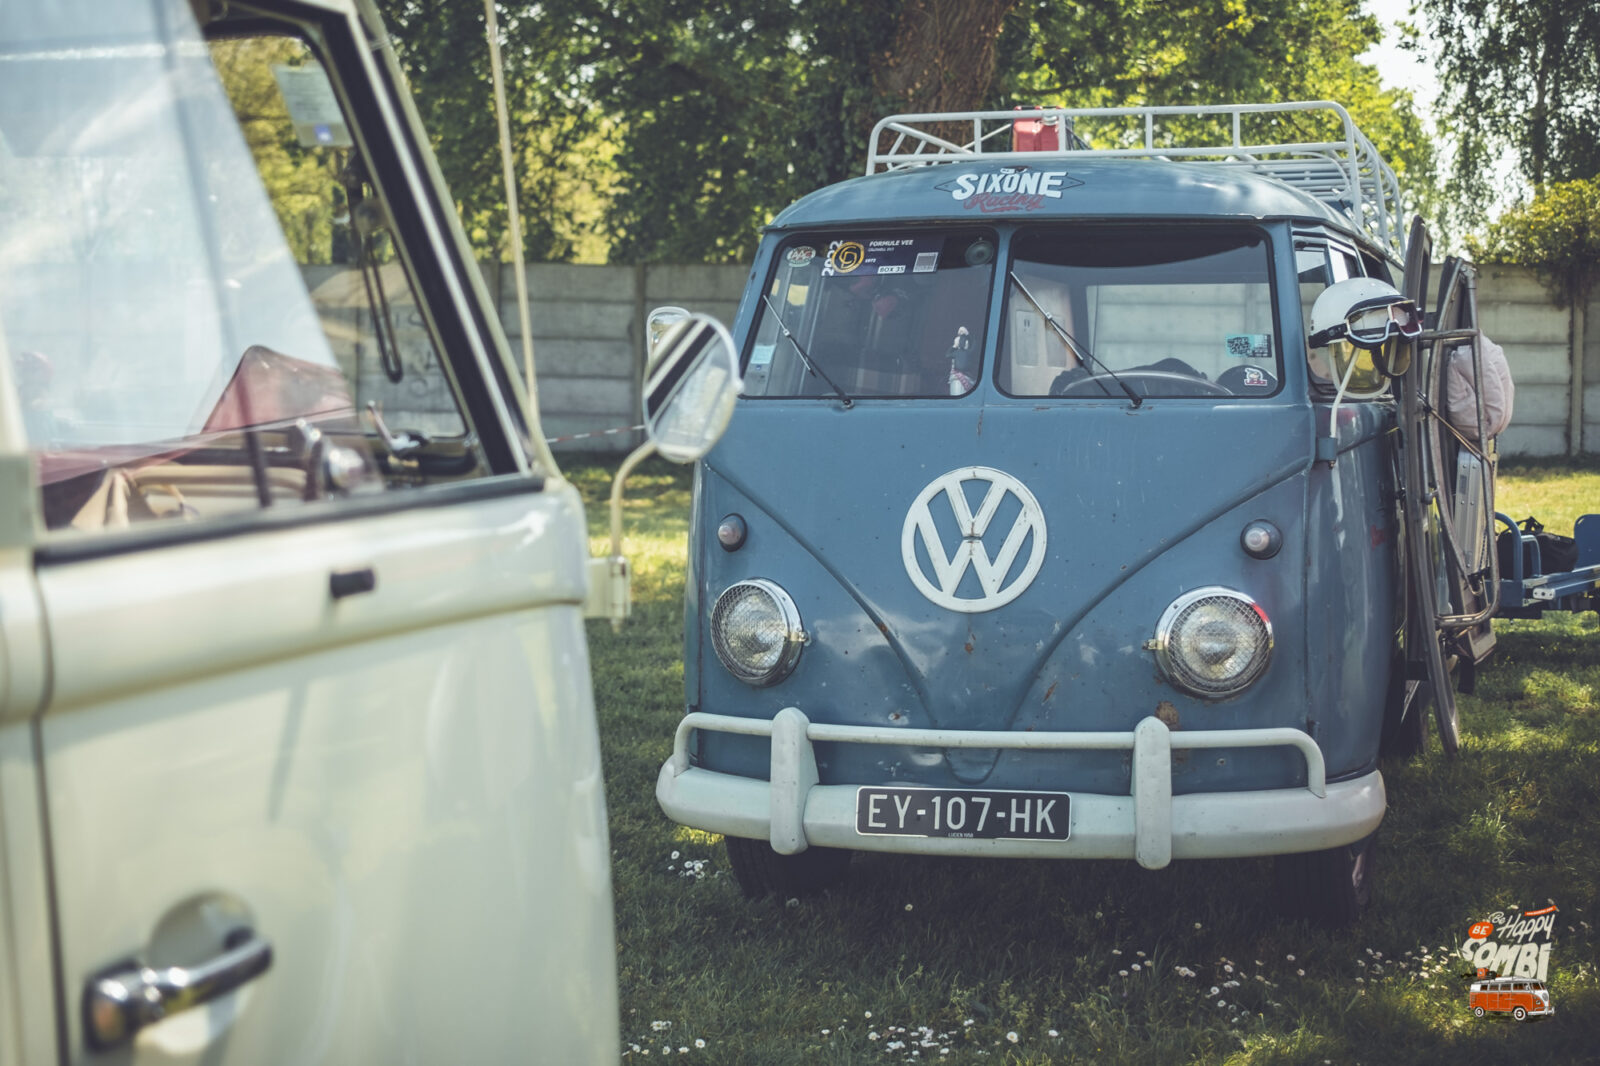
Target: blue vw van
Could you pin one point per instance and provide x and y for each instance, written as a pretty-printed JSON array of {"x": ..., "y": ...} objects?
[{"x": 1041, "y": 530}]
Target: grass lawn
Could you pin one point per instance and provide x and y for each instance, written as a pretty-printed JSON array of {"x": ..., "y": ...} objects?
[{"x": 964, "y": 961}]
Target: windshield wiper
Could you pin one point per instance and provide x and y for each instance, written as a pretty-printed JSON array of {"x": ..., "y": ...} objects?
[
  {"x": 1076, "y": 346},
  {"x": 804, "y": 358}
]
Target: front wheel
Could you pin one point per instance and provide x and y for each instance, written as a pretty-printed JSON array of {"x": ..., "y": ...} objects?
[
  {"x": 1328, "y": 888},
  {"x": 761, "y": 871},
  {"x": 1520, "y": 1015}
]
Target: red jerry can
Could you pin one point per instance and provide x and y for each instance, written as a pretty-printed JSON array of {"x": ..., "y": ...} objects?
[{"x": 1035, "y": 135}]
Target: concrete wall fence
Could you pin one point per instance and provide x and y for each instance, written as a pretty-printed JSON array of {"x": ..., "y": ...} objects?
[
  {"x": 1555, "y": 361},
  {"x": 589, "y": 322}
]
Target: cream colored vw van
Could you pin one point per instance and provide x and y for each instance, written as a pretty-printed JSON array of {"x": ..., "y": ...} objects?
[{"x": 298, "y": 755}]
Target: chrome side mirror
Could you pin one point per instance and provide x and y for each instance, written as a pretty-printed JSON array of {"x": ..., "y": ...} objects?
[
  {"x": 691, "y": 382},
  {"x": 690, "y": 388}
]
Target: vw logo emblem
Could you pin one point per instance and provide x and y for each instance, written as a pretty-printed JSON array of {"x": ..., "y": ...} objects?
[{"x": 951, "y": 567}]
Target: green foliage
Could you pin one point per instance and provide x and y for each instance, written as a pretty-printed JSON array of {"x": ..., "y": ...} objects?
[
  {"x": 1523, "y": 75},
  {"x": 1111, "y": 53},
  {"x": 725, "y": 113},
  {"x": 556, "y": 132},
  {"x": 298, "y": 179},
  {"x": 672, "y": 130},
  {"x": 644, "y": 130},
  {"x": 1558, "y": 233}
]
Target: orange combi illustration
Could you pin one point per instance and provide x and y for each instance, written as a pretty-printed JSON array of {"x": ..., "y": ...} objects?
[
  {"x": 1522, "y": 995},
  {"x": 1522, "y": 999}
]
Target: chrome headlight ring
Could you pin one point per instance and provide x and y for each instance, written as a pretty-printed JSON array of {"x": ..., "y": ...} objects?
[
  {"x": 756, "y": 631},
  {"x": 1213, "y": 642}
]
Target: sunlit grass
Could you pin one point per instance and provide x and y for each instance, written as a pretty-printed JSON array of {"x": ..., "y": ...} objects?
[
  {"x": 945, "y": 960},
  {"x": 1556, "y": 493}
]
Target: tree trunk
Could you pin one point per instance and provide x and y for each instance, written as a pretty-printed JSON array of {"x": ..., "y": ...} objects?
[{"x": 943, "y": 56}]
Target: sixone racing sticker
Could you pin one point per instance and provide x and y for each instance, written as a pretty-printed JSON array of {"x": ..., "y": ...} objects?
[{"x": 1018, "y": 187}]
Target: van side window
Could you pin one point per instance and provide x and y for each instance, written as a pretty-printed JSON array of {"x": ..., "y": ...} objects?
[
  {"x": 1320, "y": 265},
  {"x": 201, "y": 339},
  {"x": 1376, "y": 268}
]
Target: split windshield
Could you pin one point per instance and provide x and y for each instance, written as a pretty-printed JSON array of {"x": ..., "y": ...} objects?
[
  {"x": 875, "y": 314},
  {"x": 1098, "y": 313},
  {"x": 1092, "y": 312}
]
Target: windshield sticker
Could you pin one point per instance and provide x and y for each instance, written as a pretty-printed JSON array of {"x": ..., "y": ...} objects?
[
  {"x": 314, "y": 110},
  {"x": 801, "y": 256},
  {"x": 1254, "y": 378},
  {"x": 1011, "y": 188},
  {"x": 1249, "y": 345},
  {"x": 893, "y": 255},
  {"x": 761, "y": 354}
]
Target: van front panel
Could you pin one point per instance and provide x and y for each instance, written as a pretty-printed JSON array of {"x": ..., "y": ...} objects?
[{"x": 984, "y": 512}]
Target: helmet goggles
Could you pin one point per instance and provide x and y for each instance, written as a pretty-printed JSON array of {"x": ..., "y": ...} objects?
[{"x": 1370, "y": 323}]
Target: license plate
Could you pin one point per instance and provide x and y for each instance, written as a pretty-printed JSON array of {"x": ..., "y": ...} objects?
[{"x": 960, "y": 812}]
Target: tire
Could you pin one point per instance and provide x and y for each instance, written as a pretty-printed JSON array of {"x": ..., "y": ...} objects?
[
  {"x": 761, "y": 871},
  {"x": 1426, "y": 566},
  {"x": 1327, "y": 888},
  {"x": 1520, "y": 1014},
  {"x": 1477, "y": 1012}
]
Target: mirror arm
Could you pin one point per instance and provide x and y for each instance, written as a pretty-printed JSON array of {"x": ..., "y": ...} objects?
[
  {"x": 695, "y": 365},
  {"x": 637, "y": 456},
  {"x": 610, "y": 593}
]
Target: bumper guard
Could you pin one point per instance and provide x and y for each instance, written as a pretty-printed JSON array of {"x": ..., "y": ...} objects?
[{"x": 794, "y": 811}]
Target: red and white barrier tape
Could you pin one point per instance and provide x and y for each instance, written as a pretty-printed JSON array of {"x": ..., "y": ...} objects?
[{"x": 596, "y": 433}]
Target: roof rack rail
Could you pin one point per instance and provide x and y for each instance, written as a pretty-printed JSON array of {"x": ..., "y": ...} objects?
[{"x": 1343, "y": 171}]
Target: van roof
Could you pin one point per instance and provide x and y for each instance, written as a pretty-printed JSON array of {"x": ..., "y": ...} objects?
[
  {"x": 1302, "y": 160},
  {"x": 1088, "y": 188}
]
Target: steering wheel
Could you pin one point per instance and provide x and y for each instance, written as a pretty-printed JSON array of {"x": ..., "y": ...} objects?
[{"x": 1108, "y": 383}]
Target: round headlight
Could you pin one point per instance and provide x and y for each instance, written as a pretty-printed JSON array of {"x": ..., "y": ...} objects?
[
  {"x": 755, "y": 628},
  {"x": 1213, "y": 642}
]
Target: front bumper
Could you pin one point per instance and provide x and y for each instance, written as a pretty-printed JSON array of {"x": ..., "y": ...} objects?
[{"x": 793, "y": 811}]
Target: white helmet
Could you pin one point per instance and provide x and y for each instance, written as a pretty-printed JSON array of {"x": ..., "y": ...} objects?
[{"x": 1368, "y": 321}]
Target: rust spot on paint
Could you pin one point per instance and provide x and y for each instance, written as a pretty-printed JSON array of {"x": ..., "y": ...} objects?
[
  {"x": 882, "y": 628},
  {"x": 1051, "y": 691},
  {"x": 1167, "y": 713},
  {"x": 968, "y": 646}
]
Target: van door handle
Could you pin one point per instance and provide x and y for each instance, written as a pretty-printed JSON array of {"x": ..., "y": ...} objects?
[
  {"x": 119, "y": 1002},
  {"x": 342, "y": 583}
]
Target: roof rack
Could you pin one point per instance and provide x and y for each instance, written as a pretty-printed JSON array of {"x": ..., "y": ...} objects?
[{"x": 1343, "y": 171}]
